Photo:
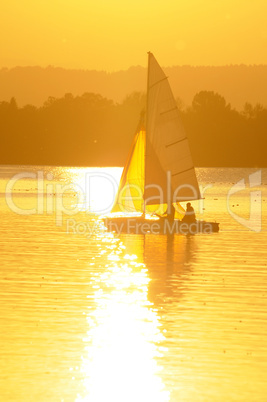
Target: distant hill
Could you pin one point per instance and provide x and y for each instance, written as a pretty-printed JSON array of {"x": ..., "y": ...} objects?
[{"x": 33, "y": 85}]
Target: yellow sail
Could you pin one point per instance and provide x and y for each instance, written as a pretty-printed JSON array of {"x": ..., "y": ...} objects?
[
  {"x": 131, "y": 189},
  {"x": 130, "y": 195}
]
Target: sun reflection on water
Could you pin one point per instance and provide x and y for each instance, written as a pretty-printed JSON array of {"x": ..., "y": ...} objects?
[
  {"x": 96, "y": 188},
  {"x": 124, "y": 333}
]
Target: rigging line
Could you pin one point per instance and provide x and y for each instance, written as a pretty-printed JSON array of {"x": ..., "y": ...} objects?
[
  {"x": 170, "y": 110},
  {"x": 176, "y": 142},
  {"x": 156, "y": 83},
  {"x": 183, "y": 171}
]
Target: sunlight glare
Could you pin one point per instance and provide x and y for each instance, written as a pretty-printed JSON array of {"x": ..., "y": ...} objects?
[
  {"x": 96, "y": 187},
  {"x": 124, "y": 336}
]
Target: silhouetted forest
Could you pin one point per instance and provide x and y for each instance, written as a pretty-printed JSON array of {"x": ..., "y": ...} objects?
[
  {"x": 236, "y": 83},
  {"x": 90, "y": 130}
]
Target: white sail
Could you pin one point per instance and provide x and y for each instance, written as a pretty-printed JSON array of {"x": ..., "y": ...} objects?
[{"x": 167, "y": 148}]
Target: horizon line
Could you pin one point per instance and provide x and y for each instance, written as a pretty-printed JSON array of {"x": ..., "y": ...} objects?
[{"x": 51, "y": 66}]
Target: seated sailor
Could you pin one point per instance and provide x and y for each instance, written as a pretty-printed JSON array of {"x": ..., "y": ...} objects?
[
  {"x": 190, "y": 216},
  {"x": 169, "y": 214}
]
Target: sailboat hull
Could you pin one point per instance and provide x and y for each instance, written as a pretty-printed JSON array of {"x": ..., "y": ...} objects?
[{"x": 140, "y": 225}]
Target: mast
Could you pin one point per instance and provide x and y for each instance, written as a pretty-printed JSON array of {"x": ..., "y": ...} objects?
[
  {"x": 146, "y": 117},
  {"x": 167, "y": 147}
]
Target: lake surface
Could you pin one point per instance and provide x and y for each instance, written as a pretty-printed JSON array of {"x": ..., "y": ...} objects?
[{"x": 87, "y": 315}]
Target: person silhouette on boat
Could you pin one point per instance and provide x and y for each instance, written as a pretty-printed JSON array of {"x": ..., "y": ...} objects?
[
  {"x": 169, "y": 214},
  {"x": 190, "y": 216}
]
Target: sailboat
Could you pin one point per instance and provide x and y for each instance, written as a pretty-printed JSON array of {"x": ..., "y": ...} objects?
[{"x": 159, "y": 173}]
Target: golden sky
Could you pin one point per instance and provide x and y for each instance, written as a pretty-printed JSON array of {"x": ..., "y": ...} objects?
[{"x": 116, "y": 34}]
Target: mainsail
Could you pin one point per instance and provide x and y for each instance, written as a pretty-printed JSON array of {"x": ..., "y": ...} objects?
[
  {"x": 167, "y": 149},
  {"x": 159, "y": 168}
]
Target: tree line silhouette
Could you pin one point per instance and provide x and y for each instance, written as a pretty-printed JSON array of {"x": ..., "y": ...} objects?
[{"x": 90, "y": 130}]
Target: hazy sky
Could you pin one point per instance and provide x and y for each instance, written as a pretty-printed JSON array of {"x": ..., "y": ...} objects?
[{"x": 116, "y": 34}]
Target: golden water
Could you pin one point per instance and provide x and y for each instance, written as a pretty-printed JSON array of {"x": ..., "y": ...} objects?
[{"x": 95, "y": 317}]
